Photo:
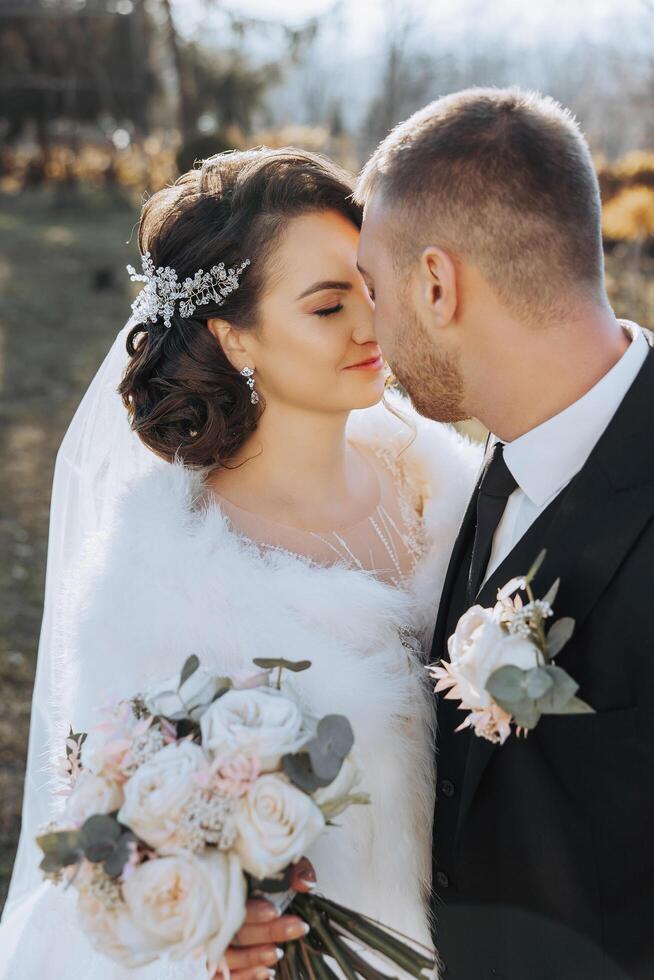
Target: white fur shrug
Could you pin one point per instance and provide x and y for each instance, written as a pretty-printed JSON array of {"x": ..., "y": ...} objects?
[{"x": 171, "y": 579}]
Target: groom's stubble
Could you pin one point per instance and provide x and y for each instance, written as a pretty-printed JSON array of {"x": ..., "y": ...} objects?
[{"x": 432, "y": 378}]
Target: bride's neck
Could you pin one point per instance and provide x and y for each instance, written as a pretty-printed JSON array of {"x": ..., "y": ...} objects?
[{"x": 296, "y": 467}]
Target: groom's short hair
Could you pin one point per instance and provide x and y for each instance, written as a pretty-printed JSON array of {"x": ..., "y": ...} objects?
[{"x": 503, "y": 177}]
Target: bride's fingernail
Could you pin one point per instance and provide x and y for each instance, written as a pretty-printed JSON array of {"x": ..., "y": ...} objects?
[
  {"x": 279, "y": 952},
  {"x": 311, "y": 885},
  {"x": 268, "y": 913}
]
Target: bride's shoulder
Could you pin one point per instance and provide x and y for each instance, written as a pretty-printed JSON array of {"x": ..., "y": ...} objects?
[
  {"x": 434, "y": 456},
  {"x": 160, "y": 521}
]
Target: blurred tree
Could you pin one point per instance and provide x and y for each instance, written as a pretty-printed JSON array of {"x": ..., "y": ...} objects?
[
  {"x": 220, "y": 87},
  {"x": 76, "y": 62},
  {"x": 407, "y": 74}
]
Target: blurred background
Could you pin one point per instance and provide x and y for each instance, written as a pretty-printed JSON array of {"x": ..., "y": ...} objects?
[{"x": 104, "y": 101}]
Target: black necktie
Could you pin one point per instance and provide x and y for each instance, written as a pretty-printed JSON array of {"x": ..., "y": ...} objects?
[{"x": 497, "y": 484}]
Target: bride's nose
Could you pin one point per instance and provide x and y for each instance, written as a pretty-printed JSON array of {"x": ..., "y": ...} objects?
[{"x": 363, "y": 331}]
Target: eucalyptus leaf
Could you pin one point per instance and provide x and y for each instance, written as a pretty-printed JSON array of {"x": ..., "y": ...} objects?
[
  {"x": 559, "y": 634},
  {"x": 550, "y": 596},
  {"x": 223, "y": 689},
  {"x": 537, "y": 682},
  {"x": 526, "y": 713},
  {"x": 116, "y": 859},
  {"x": 100, "y": 827},
  {"x": 333, "y": 740},
  {"x": 99, "y": 850},
  {"x": 563, "y": 688},
  {"x": 507, "y": 684},
  {"x": 100, "y": 834},
  {"x": 536, "y": 566},
  {"x": 269, "y": 663},
  {"x": 52, "y": 863},
  {"x": 332, "y": 808},
  {"x": 299, "y": 769},
  {"x": 337, "y": 732},
  {"x": 189, "y": 668},
  {"x": 575, "y": 706},
  {"x": 61, "y": 847}
]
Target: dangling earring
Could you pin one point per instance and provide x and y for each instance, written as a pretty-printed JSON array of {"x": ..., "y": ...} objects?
[{"x": 248, "y": 373}]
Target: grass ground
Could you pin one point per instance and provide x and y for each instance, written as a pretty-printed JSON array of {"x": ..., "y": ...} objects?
[{"x": 65, "y": 294}]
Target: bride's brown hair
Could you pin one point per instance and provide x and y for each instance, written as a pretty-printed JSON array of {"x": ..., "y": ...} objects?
[{"x": 183, "y": 396}]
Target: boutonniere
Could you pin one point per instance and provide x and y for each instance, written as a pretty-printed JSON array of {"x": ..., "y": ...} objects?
[{"x": 501, "y": 664}]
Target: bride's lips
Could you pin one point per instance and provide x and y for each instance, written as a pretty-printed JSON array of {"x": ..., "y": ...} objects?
[{"x": 371, "y": 364}]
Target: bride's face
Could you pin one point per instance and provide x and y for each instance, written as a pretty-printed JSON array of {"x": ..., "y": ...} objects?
[{"x": 315, "y": 346}]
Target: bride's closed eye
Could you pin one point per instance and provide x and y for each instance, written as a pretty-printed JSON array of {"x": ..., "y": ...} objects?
[{"x": 330, "y": 310}]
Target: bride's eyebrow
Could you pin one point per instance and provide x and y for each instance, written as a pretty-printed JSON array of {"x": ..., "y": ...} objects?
[{"x": 326, "y": 284}]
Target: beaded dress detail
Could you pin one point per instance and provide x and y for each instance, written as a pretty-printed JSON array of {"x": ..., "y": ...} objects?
[{"x": 388, "y": 542}]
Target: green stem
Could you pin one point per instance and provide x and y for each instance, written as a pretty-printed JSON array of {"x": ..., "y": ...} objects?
[
  {"x": 306, "y": 960},
  {"x": 367, "y": 971},
  {"x": 376, "y": 937},
  {"x": 315, "y": 920},
  {"x": 322, "y": 968}
]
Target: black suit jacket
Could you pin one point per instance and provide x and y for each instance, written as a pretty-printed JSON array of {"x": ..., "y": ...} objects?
[{"x": 544, "y": 847}]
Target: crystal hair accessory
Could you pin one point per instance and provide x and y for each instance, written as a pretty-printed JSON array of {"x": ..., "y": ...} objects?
[{"x": 162, "y": 289}]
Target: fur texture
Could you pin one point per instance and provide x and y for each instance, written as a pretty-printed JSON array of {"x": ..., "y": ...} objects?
[{"x": 172, "y": 578}]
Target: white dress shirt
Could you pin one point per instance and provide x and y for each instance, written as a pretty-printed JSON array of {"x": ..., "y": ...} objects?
[{"x": 545, "y": 459}]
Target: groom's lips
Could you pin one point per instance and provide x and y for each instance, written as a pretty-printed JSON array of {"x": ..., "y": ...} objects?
[{"x": 371, "y": 364}]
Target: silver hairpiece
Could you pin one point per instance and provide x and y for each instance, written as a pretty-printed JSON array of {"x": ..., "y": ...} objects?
[{"x": 162, "y": 289}]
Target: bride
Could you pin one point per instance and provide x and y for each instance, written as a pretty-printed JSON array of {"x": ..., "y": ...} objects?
[{"x": 274, "y": 504}]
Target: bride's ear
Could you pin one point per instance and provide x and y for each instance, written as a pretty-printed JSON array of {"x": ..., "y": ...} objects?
[
  {"x": 438, "y": 284},
  {"x": 230, "y": 340}
]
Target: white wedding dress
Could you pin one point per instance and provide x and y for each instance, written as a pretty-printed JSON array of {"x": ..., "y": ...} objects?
[{"x": 179, "y": 571}]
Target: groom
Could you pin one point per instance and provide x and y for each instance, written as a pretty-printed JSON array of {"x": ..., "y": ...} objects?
[{"x": 482, "y": 247}]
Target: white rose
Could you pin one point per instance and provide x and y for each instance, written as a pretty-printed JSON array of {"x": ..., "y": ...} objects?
[
  {"x": 114, "y": 933},
  {"x": 480, "y": 648},
  {"x": 466, "y": 628},
  {"x": 261, "y": 722},
  {"x": 185, "y": 901},
  {"x": 275, "y": 823},
  {"x": 92, "y": 794},
  {"x": 156, "y": 793},
  {"x": 346, "y": 781},
  {"x": 191, "y": 700}
]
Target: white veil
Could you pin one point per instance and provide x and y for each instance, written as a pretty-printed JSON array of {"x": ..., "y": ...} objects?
[{"x": 99, "y": 454}]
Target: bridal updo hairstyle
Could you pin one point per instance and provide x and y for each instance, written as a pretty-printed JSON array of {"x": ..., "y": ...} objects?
[{"x": 183, "y": 396}]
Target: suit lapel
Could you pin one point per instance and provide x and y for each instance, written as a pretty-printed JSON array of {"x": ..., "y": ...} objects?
[
  {"x": 587, "y": 534},
  {"x": 460, "y": 545}
]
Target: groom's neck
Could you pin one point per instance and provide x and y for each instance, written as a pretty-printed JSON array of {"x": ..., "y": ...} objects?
[{"x": 538, "y": 372}]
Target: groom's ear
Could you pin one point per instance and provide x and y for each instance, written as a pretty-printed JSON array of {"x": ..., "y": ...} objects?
[{"x": 438, "y": 284}]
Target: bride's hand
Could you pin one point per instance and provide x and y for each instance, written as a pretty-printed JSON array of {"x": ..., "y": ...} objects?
[{"x": 253, "y": 952}]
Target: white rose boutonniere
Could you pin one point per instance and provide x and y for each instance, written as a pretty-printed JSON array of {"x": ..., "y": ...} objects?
[{"x": 501, "y": 663}]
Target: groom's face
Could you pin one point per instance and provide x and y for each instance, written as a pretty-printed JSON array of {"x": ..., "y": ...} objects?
[{"x": 418, "y": 354}]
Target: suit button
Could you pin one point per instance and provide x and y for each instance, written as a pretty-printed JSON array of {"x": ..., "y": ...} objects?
[
  {"x": 447, "y": 788},
  {"x": 442, "y": 879}
]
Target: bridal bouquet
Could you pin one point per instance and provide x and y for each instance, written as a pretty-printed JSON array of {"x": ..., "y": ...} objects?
[
  {"x": 186, "y": 799},
  {"x": 501, "y": 665}
]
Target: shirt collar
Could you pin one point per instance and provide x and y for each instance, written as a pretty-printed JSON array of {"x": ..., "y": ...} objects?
[{"x": 546, "y": 458}]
